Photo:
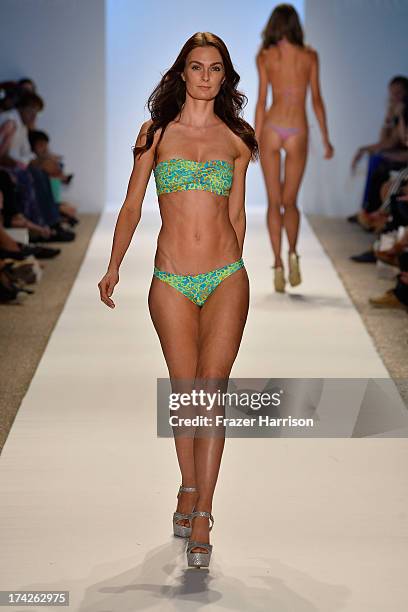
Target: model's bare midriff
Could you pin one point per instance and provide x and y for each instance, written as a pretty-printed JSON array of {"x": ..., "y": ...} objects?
[
  {"x": 196, "y": 234},
  {"x": 288, "y": 73}
]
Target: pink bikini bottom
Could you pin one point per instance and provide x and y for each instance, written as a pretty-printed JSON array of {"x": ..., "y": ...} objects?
[{"x": 284, "y": 132}]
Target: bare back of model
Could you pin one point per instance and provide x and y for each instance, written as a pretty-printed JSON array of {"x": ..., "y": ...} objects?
[{"x": 288, "y": 69}]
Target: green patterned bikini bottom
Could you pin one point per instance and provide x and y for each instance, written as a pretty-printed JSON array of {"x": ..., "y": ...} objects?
[{"x": 199, "y": 287}]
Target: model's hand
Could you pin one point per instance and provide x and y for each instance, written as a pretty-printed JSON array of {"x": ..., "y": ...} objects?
[
  {"x": 328, "y": 150},
  {"x": 106, "y": 286}
]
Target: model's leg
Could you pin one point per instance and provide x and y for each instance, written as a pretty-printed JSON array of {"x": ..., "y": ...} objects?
[
  {"x": 176, "y": 320},
  {"x": 295, "y": 162},
  {"x": 222, "y": 321},
  {"x": 269, "y": 154}
]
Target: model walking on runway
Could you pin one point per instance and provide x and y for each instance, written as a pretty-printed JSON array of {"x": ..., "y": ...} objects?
[
  {"x": 198, "y": 148},
  {"x": 290, "y": 67}
]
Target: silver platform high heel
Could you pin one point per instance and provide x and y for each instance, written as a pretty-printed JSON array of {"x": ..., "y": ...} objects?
[
  {"x": 182, "y": 531},
  {"x": 199, "y": 559}
]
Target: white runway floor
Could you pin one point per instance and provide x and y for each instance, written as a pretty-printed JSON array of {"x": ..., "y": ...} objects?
[{"x": 87, "y": 490}]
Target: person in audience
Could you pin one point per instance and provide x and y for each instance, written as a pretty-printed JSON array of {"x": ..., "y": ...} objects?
[
  {"x": 397, "y": 296},
  {"x": 389, "y": 153},
  {"x": 13, "y": 214},
  {"x": 13, "y": 274},
  {"x": 27, "y": 84},
  {"x": 391, "y": 255},
  {"x": 53, "y": 165},
  {"x": 25, "y": 186},
  {"x": 38, "y": 203},
  {"x": 391, "y": 212},
  {"x": 19, "y": 150},
  {"x": 396, "y": 207},
  {"x": 9, "y": 94},
  {"x": 12, "y": 217},
  {"x": 377, "y": 219}
]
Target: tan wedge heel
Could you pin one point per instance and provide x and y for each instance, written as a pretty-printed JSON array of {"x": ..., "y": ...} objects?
[
  {"x": 295, "y": 277},
  {"x": 279, "y": 279}
]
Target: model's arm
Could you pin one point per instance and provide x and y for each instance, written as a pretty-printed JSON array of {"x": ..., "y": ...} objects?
[
  {"x": 236, "y": 201},
  {"x": 262, "y": 94},
  {"x": 318, "y": 104},
  {"x": 129, "y": 215}
]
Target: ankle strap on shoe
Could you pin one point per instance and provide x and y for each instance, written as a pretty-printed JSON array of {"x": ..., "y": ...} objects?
[
  {"x": 205, "y": 514},
  {"x": 186, "y": 490},
  {"x": 180, "y": 515}
]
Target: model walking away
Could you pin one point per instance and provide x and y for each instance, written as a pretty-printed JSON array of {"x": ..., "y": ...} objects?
[{"x": 289, "y": 66}]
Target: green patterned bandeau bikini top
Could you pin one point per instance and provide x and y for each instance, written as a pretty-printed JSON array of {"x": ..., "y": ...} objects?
[{"x": 180, "y": 174}]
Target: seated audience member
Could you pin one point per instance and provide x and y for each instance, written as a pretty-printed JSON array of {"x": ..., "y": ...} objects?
[
  {"x": 12, "y": 217},
  {"x": 397, "y": 296},
  {"x": 37, "y": 199},
  {"x": 9, "y": 94},
  {"x": 27, "y": 84},
  {"x": 52, "y": 164},
  {"x": 393, "y": 212},
  {"x": 390, "y": 152},
  {"x": 30, "y": 180}
]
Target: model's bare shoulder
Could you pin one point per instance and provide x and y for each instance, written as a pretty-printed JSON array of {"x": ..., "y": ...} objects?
[
  {"x": 142, "y": 135},
  {"x": 141, "y": 139},
  {"x": 311, "y": 53},
  {"x": 261, "y": 57}
]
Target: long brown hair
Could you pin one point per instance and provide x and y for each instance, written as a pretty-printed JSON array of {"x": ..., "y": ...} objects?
[
  {"x": 283, "y": 22},
  {"x": 168, "y": 97}
]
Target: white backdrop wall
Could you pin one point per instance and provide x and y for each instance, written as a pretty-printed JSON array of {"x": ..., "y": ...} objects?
[
  {"x": 362, "y": 44},
  {"x": 143, "y": 40},
  {"x": 60, "y": 44}
]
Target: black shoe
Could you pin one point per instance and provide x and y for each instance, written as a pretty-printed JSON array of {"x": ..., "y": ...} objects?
[
  {"x": 42, "y": 252},
  {"x": 19, "y": 255},
  {"x": 62, "y": 235},
  {"x": 24, "y": 250},
  {"x": 68, "y": 219},
  {"x": 39, "y": 252},
  {"x": 366, "y": 257},
  {"x": 352, "y": 218},
  {"x": 58, "y": 234}
]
